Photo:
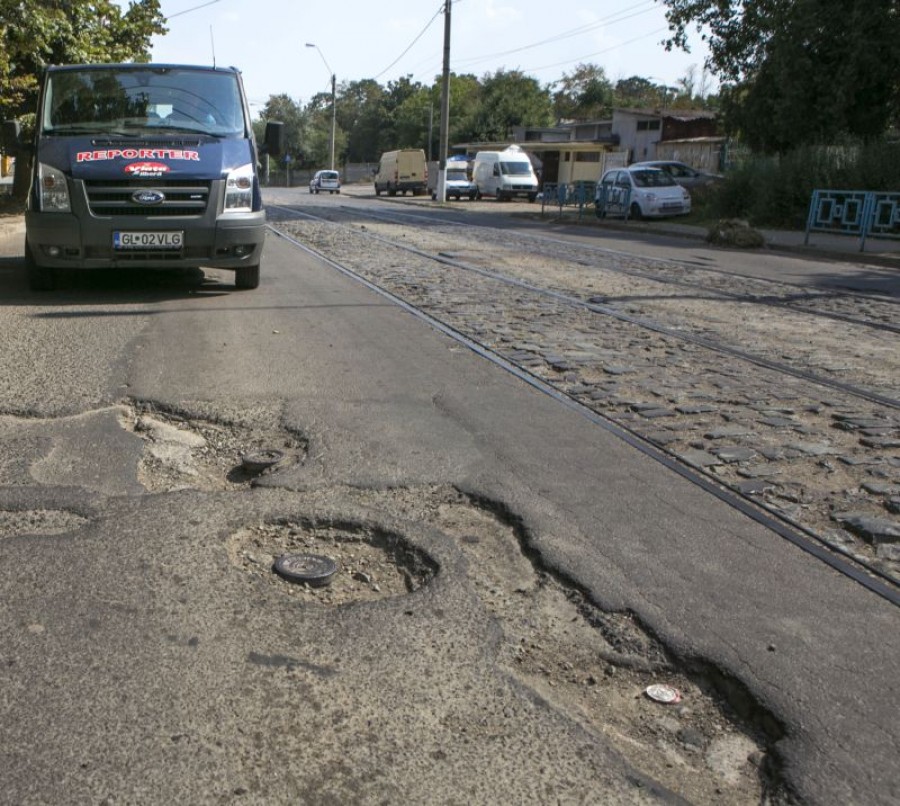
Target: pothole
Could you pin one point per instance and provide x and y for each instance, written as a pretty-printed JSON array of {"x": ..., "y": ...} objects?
[
  {"x": 14, "y": 523},
  {"x": 372, "y": 562},
  {"x": 198, "y": 450},
  {"x": 712, "y": 746}
]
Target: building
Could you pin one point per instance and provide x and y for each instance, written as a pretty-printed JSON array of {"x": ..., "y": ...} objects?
[{"x": 584, "y": 150}]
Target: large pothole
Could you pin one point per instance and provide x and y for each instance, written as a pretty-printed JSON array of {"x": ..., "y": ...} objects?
[
  {"x": 711, "y": 746},
  {"x": 372, "y": 562},
  {"x": 193, "y": 448}
]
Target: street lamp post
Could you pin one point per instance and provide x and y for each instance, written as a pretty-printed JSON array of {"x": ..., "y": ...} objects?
[{"x": 333, "y": 99}]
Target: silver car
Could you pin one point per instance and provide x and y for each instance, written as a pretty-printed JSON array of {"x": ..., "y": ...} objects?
[
  {"x": 325, "y": 181},
  {"x": 683, "y": 174}
]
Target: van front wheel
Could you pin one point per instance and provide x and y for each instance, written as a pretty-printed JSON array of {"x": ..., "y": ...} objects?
[{"x": 246, "y": 277}]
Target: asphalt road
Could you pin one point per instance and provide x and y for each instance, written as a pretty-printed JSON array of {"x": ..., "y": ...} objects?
[{"x": 146, "y": 655}]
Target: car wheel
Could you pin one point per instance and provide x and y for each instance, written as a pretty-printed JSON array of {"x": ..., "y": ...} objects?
[
  {"x": 40, "y": 278},
  {"x": 246, "y": 277},
  {"x": 473, "y": 196},
  {"x": 377, "y": 191},
  {"x": 310, "y": 190},
  {"x": 635, "y": 211}
]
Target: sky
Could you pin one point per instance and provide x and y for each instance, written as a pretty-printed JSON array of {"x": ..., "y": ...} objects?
[{"x": 386, "y": 40}]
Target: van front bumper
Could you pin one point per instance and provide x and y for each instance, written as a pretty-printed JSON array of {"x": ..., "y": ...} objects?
[{"x": 63, "y": 240}]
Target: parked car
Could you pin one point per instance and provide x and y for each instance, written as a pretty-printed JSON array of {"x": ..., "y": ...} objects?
[
  {"x": 639, "y": 192},
  {"x": 457, "y": 183},
  {"x": 325, "y": 180},
  {"x": 683, "y": 174}
]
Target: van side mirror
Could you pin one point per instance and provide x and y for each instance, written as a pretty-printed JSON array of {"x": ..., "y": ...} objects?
[
  {"x": 12, "y": 133},
  {"x": 274, "y": 143}
]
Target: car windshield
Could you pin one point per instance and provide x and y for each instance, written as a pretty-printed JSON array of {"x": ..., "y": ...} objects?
[
  {"x": 516, "y": 168},
  {"x": 135, "y": 100},
  {"x": 457, "y": 174},
  {"x": 650, "y": 178}
]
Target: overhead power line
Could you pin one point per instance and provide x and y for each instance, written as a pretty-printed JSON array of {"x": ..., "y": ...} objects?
[{"x": 409, "y": 47}]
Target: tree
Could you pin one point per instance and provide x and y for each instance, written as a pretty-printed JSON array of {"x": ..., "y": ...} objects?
[
  {"x": 799, "y": 71},
  {"x": 637, "y": 93},
  {"x": 35, "y": 34},
  {"x": 295, "y": 120},
  {"x": 585, "y": 94},
  {"x": 509, "y": 98}
]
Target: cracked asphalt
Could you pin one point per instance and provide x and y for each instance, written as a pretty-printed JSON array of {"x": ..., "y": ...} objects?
[{"x": 147, "y": 652}]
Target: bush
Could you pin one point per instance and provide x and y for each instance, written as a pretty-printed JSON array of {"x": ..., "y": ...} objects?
[{"x": 775, "y": 191}]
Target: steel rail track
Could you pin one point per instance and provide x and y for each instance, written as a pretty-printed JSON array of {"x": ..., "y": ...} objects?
[
  {"x": 690, "y": 265},
  {"x": 871, "y": 578},
  {"x": 771, "y": 301},
  {"x": 775, "y": 366}
]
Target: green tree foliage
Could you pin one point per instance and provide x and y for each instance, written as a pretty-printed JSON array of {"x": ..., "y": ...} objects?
[
  {"x": 509, "y": 98},
  {"x": 799, "y": 71},
  {"x": 35, "y": 34},
  {"x": 282, "y": 108},
  {"x": 362, "y": 113},
  {"x": 584, "y": 94}
]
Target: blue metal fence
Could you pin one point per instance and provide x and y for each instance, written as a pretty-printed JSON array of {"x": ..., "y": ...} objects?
[
  {"x": 575, "y": 194},
  {"x": 860, "y": 213}
]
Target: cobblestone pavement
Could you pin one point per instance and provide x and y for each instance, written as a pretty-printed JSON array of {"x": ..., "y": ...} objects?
[{"x": 821, "y": 452}]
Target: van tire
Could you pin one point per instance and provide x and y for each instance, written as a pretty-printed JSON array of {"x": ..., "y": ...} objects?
[
  {"x": 246, "y": 277},
  {"x": 377, "y": 191},
  {"x": 40, "y": 278},
  {"x": 532, "y": 197}
]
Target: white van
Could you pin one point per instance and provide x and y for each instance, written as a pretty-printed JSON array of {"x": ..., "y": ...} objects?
[
  {"x": 402, "y": 171},
  {"x": 505, "y": 174}
]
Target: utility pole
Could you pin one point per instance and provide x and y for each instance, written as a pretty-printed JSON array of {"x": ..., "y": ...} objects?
[
  {"x": 445, "y": 108},
  {"x": 333, "y": 115}
]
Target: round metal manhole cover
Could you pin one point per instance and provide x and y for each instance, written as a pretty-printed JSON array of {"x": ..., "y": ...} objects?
[
  {"x": 315, "y": 570},
  {"x": 259, "y": 461}
]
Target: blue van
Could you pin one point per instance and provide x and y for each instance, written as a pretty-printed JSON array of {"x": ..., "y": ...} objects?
[{"x": 145, "y": 166}]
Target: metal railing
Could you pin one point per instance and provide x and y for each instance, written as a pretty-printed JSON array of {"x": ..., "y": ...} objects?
[
  {"x": 574, "y": 194},
  {"x": 861, "y": 213}
]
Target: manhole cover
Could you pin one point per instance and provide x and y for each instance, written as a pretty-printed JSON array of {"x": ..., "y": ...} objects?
[
  {"x": 316, "y": 570},
  {"x": 261, "y": 460},
  {"x": 340, "y": 560}
]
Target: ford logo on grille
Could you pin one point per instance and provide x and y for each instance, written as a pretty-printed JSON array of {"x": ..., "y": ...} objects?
[{"x": 148, "y": 197}]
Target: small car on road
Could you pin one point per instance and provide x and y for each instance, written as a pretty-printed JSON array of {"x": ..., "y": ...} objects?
[
  {"x": 325, "y": 180},
  {"x": 639, "y": 192}
]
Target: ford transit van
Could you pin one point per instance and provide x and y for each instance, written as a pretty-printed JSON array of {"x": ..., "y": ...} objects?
[
  {"x": 505, "y": 174},
  {"x": 144, "y": 166}
]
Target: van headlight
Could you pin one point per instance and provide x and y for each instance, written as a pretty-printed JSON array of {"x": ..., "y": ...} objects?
[
  {"x": 239, "y": 190},
  {"x": 54, "y": 190}
]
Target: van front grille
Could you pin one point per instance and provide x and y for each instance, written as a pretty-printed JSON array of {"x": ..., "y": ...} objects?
[{"x": 116, "y": 198}]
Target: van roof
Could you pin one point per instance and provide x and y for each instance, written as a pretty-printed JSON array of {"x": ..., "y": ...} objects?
[{"x": 119, "y": 67}]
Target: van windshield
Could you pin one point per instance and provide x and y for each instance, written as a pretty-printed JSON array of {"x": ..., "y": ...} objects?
[
  {"x": 516, "y": 168},
  {"x": 131, "y": 99}
]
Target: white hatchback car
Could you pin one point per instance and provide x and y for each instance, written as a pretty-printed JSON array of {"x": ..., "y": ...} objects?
[
  {"x": 638, "y": 192},
  {"x": 325, "y": 180}
]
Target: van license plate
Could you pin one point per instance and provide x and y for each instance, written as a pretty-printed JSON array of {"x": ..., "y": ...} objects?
[{"x": 148, "y": 240}]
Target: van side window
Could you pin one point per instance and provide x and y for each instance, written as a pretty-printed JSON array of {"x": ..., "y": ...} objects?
[{"x": 496, "y": 169}]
